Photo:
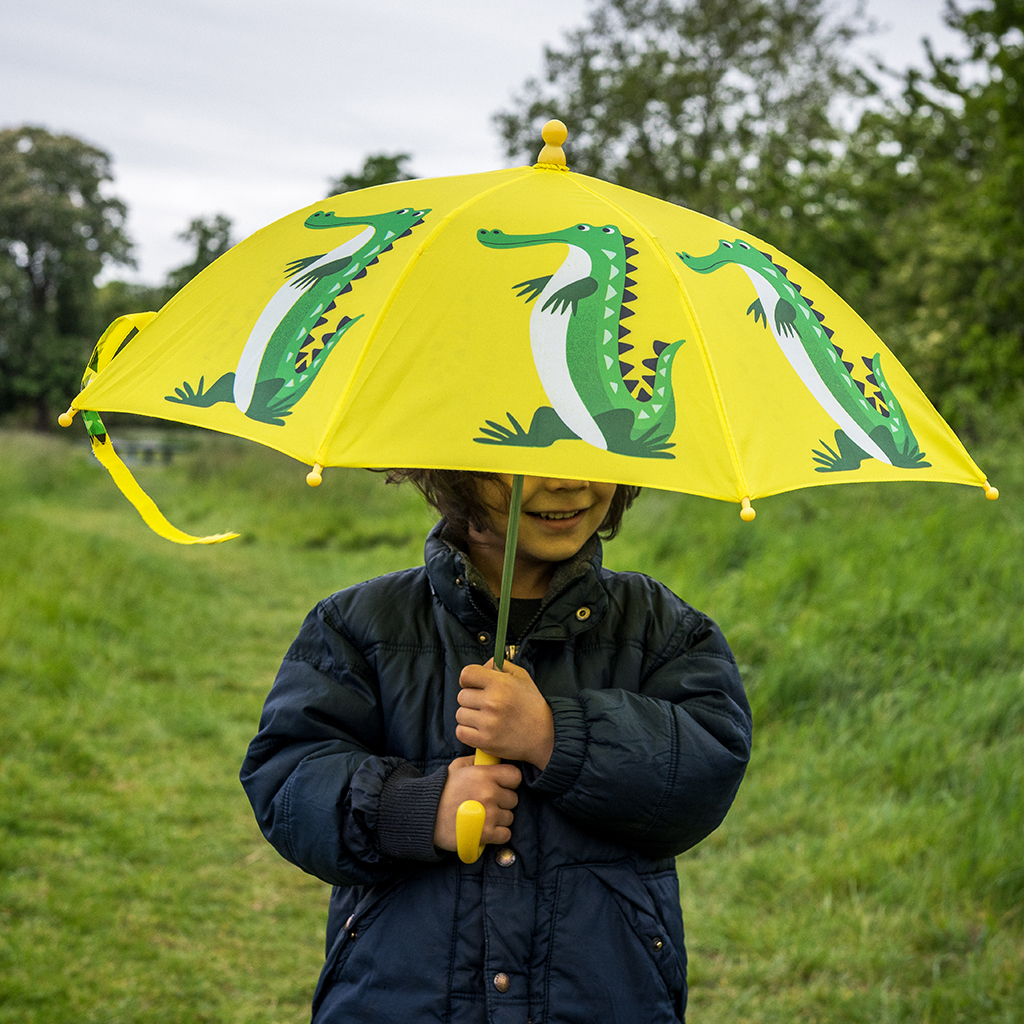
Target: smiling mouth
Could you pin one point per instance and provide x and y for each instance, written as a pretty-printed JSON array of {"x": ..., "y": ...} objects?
[{"x": 556, "y": 516}]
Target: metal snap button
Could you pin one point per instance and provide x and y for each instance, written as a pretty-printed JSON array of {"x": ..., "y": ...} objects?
[
  {"x": 502, "y": 982},
  {"x": 459, "y": 581},
  {"x": 657, "y": 944},
  {"x": 505, "y": 857},
  {"x": 484, "y": 638},
  {"x": 583, "y": 614}
]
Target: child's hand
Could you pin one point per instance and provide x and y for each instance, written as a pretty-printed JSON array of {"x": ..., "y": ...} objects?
[
  {"x": 493, "y": 785},
  {"x": 505, "y": 714}
]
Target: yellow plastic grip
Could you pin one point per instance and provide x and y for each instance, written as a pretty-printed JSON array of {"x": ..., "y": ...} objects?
[
  {"x": 469, "y": 819},
  {"x": 469, "y": 826}
]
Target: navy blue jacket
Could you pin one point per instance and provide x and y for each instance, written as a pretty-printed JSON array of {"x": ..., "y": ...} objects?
[{"x": 578, "y": 919}]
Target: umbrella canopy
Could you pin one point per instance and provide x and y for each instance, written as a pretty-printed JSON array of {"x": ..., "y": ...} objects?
[{"x": 528, "y": 321}]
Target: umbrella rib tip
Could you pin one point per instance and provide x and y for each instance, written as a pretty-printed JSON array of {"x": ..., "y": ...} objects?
[
  {"x": 991, "y": 492},
  {"x": 747, "y": 513},
  {"x": 315, "y": 477}
]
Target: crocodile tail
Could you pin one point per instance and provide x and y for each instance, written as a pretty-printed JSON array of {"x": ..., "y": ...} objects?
[
  {"x": 657, "y": 413},
  {"x": 897, "y": 420}
]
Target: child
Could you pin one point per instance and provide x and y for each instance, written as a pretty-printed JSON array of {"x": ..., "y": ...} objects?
[{"x": 625, "y": 733}]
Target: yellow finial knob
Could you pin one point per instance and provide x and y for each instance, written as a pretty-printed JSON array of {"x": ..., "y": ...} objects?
[
  {"x": 991, "y": 492},
  {"x": 315, "y": 476},
  {"x": 65, "y": 418},
  {"x": 747, "y": 514},
  {"x": 554, "y": 133}
]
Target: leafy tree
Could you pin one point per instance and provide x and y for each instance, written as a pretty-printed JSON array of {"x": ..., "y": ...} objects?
[
  {"x": 116, "y": 298},
  {"x": 718, "y": 105},
  {"x": 57, "y": 230},
  {"x": 950, "y": 150},
  {"x": 750, "y": 111},
  {"x": 378, "y": 169},
  {"x": 211, "y": 237},
  {"x": 740, "y": 109}
]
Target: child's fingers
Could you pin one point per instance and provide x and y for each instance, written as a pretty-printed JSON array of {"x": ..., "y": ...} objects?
[
  {"x": 499, "y": 830},
  {"x": 472, "y": 731},
  {"x": 508, "y": 777},
  {"x": 492, "y": 785},
  {"x": 476, "y": 677},
  {"x": 472, "y": 698}
]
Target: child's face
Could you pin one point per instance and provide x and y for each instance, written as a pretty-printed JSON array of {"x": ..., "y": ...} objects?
[{"x": 558, "y": 516}]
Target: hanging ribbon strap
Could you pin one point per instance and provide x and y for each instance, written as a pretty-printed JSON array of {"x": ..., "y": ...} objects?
[{"x": 129, "y": 487}]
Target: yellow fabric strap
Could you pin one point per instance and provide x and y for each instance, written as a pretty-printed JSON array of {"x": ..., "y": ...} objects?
[{"x": 144, "y": 504}]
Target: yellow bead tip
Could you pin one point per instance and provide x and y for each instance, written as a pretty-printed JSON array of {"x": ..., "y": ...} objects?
[
  {"x": 315, "y": 476},
  {"x": 991, "y": 492},
  {"x": 554, "y": 134},
  {"x": 65, "y": 418},
  {"x": 747, "y": 513}
]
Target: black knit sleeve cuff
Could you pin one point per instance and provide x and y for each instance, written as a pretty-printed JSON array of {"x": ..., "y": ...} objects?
[{"x": 408, "y": 813}]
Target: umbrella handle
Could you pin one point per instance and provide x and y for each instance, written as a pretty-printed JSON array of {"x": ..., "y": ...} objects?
[{"x": 469, "y": 819}]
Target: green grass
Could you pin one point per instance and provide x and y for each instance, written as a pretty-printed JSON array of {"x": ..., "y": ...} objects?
[{"x": 870, "y": 871}]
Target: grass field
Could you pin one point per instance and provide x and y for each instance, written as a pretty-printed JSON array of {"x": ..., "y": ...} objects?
[{"x": 872, "y": 869}]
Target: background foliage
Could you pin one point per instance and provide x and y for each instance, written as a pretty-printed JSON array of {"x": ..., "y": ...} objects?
[
  {"x": 901, "y": 189},
  {"x": 57, "y": 229}
]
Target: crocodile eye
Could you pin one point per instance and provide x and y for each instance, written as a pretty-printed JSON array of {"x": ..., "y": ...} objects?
[
  {"x": 582, "y": 227},
  {"x": 402, "y": 213},
  {"x": 743, "y": 245},
  {"x": 608, "y": 231},
  {"x": 728, "y": 245}
]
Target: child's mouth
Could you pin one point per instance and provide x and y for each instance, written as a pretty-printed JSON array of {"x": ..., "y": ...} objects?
[{"x": 555, "y": 517}]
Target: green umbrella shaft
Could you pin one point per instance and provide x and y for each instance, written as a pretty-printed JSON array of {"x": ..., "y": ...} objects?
[{"x": 514, "y": 505}]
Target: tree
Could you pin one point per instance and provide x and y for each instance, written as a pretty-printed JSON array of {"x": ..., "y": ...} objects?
[
  {"x": 211, "y": 237},
  {"x": 57, "y": 230},
  {"x": 115, "y": 298},
  {"x": 718, "y": 105},
  {"x": 952, "y": 148},
  {"x": 378, "y": 169}
]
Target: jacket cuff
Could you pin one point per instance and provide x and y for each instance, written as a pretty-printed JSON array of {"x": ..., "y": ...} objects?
[
  {"x": 569, "y": 751},
  {"x": 407, "y": 814}
]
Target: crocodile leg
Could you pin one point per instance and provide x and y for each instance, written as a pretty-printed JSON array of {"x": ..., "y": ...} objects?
[
  {"x": 221, "y": 390},
  {"x": 848, "y": 456},
  {"x": 546, "y": 427}
]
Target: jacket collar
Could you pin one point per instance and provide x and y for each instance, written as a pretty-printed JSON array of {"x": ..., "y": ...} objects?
[{"x": 575, "y": 601}]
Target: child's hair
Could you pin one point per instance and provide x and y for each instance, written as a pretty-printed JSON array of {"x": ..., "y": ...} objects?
[{"x": 455, "y": 494}]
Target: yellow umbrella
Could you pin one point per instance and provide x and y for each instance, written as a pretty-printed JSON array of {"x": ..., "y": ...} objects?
[
  {"x": 525, "y": 321},
  {"x": 529, "y": 320}
]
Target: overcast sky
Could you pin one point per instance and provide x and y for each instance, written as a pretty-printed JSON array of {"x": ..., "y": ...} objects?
[{"x": 248, "y": 108}]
